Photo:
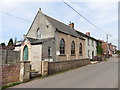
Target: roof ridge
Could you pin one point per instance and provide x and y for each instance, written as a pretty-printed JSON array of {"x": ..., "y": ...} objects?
[{"x": 57, "y": 20}]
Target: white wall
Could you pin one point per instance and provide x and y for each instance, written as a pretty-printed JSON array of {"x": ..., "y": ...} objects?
[
  {"x": 17, "y": 48},
  {"x": 90, "y": 47},
  {"x": 36, "y": 56}
]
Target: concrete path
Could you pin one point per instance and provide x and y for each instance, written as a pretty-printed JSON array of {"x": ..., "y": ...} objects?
[{"x": 100, "y": 75}]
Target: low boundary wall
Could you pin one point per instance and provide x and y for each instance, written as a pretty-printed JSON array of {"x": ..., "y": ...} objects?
[
  {"x": 10, "y": 73},
  {"x": 54, "y": 67}
]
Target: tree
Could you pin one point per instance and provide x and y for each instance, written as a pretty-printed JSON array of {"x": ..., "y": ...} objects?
[
  {"x": 10, "y": 43},
  {"x": 2, "y": 44},
  {"x": 99, "y": 49}
]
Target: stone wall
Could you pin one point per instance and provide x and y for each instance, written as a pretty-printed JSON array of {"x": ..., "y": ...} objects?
[
  {"x": 45, "y": 45},
  {"x": 9, "y": 57},
  {"x": 54, "y": 67},
  {"x": 10, "y": 73},
  {"x": 68, "y": 39}
]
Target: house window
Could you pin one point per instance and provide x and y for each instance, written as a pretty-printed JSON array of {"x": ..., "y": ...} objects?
[
  {"x": 92, "y": 43},
  {"x": 73, "y": 48},
  {"x": 88, "y": 41},
  {"x": 38, "y": 33},
  {"x": 62, "y": 46},
  {"x": 49, "y": 51},
  {"x": 80, "y": 49},
  {"x": 88, "y": 53},
  {"x": 92, "y": 54}
]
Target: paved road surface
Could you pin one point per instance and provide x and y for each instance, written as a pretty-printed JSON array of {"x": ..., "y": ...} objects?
[{"x": 101, "y": 75}]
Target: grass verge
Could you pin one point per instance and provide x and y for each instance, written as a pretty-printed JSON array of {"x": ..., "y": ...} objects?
[{"x": 11, "y": 85}]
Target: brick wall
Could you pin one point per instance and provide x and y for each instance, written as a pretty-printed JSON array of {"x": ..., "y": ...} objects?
[
  {"x": 54, "y": 67},
  {"x": 105, "y": 47},
  {"x": 9, "y": 57},
  {"x": 10, "y": 73}
]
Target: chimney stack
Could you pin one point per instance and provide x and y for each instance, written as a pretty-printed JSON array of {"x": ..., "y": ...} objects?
[
  {"x": 71, "y": 25},
  {"x": 88, "y": 33}
]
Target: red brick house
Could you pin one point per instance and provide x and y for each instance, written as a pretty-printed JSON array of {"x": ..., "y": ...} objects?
[{"x": 108, "y": 48}]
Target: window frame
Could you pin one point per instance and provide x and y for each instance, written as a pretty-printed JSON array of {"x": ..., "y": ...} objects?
[
  {"x": 62, "y": 47},
  {"x": 72, "y": 48},
  {"x": 88, "y": 41},
  {"x": 92, "y": 42},
  {"x": 38, "y": 32},
  {"x": 88, "y": 53},
  {"x": 80, "y": 49},
  {"x": 49, "y": 51}
]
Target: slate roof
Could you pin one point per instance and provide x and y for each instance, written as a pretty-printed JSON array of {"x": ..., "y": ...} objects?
[
  {"x": 38, "y": 41},
  {"x": 84, "y": 35},
  {"x": 63, "y": 27},
  {"x": 66, "y": 29},
  {"x": 34, "y": 41}
]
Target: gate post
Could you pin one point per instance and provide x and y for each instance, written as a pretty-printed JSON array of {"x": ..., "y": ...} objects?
[
  {"x": 24, "y": 71},
  {"x": 44, "y": 68}
]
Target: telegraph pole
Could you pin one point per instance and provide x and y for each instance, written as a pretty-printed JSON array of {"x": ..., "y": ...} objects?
[
  {"x": 107, "y": 46},
  {"x": 108, "y": 43},
  {"x": 107, "y": 38}
]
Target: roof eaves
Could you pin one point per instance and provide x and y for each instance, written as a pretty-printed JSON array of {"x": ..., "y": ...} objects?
[{"x": 69, "y": 34}]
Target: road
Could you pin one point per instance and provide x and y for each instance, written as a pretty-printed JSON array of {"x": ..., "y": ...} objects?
[{"x": 100, "y": 75}]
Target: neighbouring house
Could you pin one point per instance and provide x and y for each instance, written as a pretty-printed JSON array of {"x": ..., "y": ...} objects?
[
  {"x": 50, "y": 40},
  {"x": 108, "y": 48},
  {"x": 90, "y": 45},
  {"x": 114, "y": 49},
  {"x": 105, "y": 47}
]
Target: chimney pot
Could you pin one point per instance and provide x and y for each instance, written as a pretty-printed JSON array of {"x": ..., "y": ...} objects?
[
  {"x": 71, "y": 25},
  {"x": 88, "y": 33}
]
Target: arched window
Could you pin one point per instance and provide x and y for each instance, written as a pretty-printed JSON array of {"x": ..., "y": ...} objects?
[
  {"x": 25, "y": 53},
  {"x": 38, "y": 32},
  {"x": 62, "y": 46},
  {"x": 80, "y": 49},
  {"x": 72, "y": 48}
]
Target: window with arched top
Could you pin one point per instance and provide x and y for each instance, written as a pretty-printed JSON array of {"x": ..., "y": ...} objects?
[
  {"x": 38, "y": 33},
  {"x": 80, "y": 49},
  {"x": 73, "y": 48},
  {"x": 62, "y": 46},
  {"x": 25, "y": 53}
]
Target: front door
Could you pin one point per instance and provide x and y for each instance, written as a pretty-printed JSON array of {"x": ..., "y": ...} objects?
[
  {"x": 92, "y": 54},
  {"x": 25, "y": 52}
]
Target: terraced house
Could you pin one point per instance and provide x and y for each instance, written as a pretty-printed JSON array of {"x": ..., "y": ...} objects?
[{"x": 51, "y": 40}]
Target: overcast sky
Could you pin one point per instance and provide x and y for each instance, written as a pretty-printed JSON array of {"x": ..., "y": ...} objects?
[{"x": 103, "y": 13}]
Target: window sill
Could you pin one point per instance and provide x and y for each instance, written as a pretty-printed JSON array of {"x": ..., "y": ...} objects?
[
  {"x": 62, "y": 55},
  {"x": 73, "y": 55},
  {"x": 80, "y": 55},
  {"x": 49, "y": 56}
]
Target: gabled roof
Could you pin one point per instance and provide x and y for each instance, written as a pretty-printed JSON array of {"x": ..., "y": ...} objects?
[{"x": 63, "y": 27}]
